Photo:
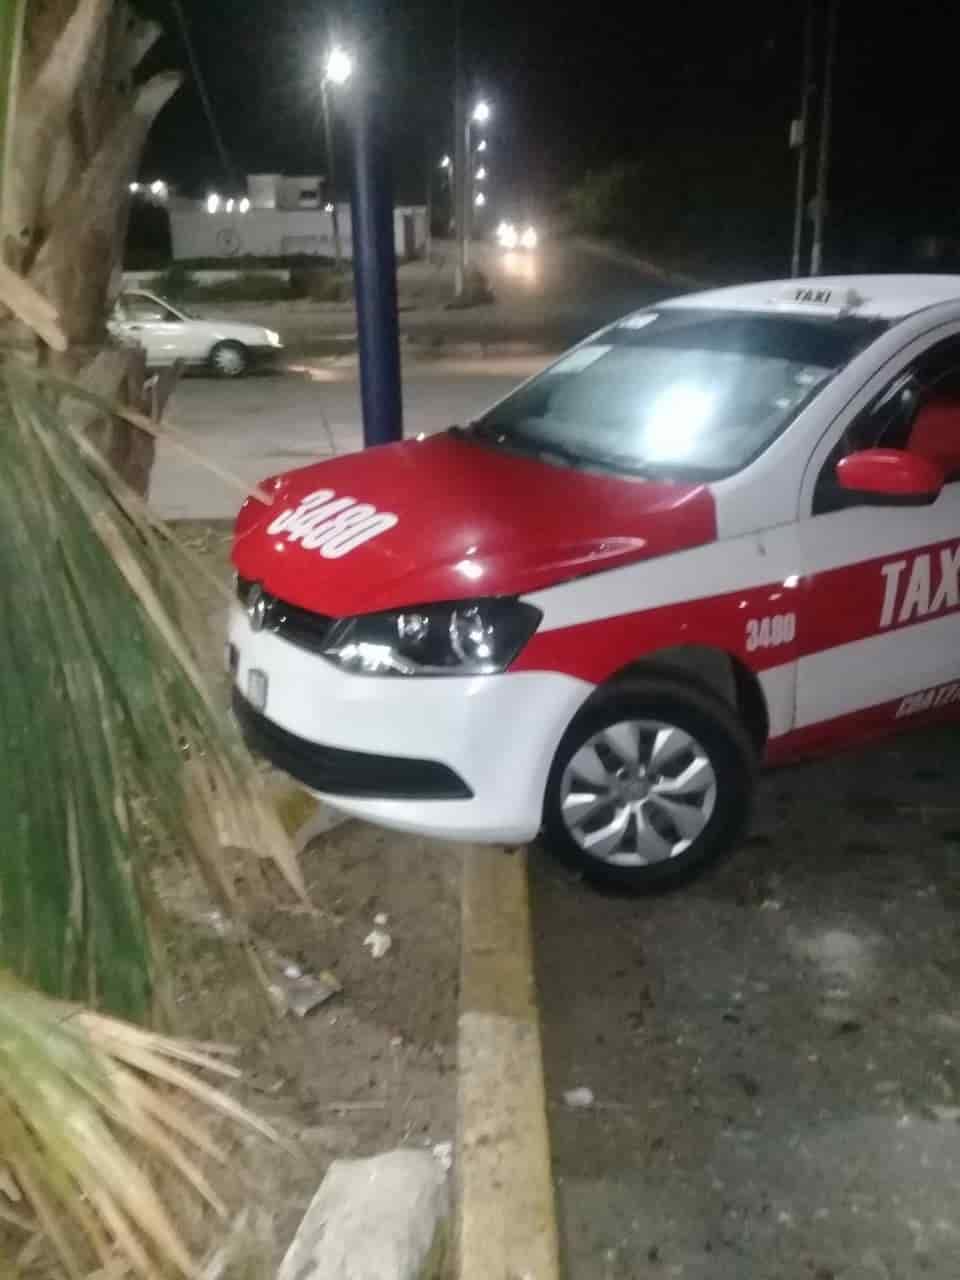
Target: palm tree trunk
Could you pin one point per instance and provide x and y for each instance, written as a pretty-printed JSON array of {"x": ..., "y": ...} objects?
[{"x": 74, "y": 145}]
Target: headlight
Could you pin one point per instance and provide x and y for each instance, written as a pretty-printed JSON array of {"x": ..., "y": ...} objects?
[
  {"x": 477, "y": 637},
  {"x": 272, "y": 338},
  {"x": 507, "y": 235},
  {"x": 529, "y": 238}
]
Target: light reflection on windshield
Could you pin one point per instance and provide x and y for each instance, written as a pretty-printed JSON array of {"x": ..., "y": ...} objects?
[{"x": 691, "y": 391}]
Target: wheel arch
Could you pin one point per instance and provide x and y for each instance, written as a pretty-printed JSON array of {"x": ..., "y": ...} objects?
[{"x": 710, "y": 670}]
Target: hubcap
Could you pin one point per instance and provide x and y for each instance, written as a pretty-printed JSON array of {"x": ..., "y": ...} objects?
[
  {"x": 638, "y": 792},
  {"x": 229, "y": 360}
]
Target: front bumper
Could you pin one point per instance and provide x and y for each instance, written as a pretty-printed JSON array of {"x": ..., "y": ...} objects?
[
  {"x": 265, "y": 357},
  {"x": 359, "y": 741},
  {"x": 347, "y": 773}
]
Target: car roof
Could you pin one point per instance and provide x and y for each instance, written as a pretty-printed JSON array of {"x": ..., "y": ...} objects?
[{"x": 886, "y": 297}]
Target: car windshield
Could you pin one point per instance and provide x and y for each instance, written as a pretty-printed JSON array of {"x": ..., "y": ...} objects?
[
  {"x": 690, "y": 392},
  {"x": 178, "y": 309}
]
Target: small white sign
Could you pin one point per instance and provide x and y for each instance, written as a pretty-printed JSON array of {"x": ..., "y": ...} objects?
[
  {"x": 257, "y": 688},
  {"x": 582, "y": 358},
  {"x": 640, "y": 320}
]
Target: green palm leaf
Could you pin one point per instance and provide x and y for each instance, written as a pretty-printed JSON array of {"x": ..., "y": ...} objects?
[{"x": 101, "y": 697}]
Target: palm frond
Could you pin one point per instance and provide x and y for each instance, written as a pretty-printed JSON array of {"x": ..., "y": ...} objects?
[
  {"x": 82, "y": 1098},
  {"x": 11, "y": 39},
  {"x": 102, "y": 700}
]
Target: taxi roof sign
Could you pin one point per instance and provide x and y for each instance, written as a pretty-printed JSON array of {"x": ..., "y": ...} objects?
[{"x": 833, "y": 301}]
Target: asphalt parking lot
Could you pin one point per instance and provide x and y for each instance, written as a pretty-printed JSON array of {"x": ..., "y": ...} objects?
[
  {"x": 774, "y": 1051},
  {"x": 255, "y": 427}
]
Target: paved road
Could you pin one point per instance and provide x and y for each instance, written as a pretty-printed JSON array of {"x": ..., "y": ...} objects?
[
  {"x": 260, "y": 426},
  {"x": 550, "y": 298},
  {"x": 774, "y": 1051},
  {"x": 576, "y": 288}
]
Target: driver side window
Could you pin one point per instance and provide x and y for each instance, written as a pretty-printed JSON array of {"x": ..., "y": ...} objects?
[
  {"x": 918, "y": 410},
  {"x": 137, "y": 308}
]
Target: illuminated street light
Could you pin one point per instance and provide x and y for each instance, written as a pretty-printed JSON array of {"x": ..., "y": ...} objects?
[
  {"x": 481, "y": 174},
  {"x": 339, "y": 67},
  {"x": 213, "y": 202},
  {"x": 466, "y": 201},
  {"x": 446, "y": 163},
  {"x": 134, "y": 188},
  {"x": 229, "y": 206},
  {"x": 159, "y": 188},
  {"x": 244, "y": 205},
  {"x": 481, "y": 146}
]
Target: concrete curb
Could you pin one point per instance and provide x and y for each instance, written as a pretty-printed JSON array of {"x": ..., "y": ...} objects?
[
  {"x": 507, "y": 1210},
  {"x": 422, "y": 348}
]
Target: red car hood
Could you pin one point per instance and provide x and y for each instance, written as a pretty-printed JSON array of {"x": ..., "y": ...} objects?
[{"x": 451, "y": 519}]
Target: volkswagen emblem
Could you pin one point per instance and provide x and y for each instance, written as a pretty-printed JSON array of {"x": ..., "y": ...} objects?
[{"x": 258, "y": 607}]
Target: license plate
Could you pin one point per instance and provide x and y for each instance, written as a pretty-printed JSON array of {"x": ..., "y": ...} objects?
[{"x": 257, "y": 688}]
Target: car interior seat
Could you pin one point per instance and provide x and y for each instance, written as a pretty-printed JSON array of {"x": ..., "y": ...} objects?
[{"x": 935, "y": 433}]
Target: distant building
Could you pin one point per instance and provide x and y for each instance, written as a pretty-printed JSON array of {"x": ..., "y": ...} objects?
[{"x": 277, "y": 217}]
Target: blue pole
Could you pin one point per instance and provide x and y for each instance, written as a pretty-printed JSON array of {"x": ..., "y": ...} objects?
[{"x": 375, "y": 265}]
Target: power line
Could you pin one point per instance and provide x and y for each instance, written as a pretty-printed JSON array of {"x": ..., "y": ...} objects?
[{"x": 229, "y": 171}]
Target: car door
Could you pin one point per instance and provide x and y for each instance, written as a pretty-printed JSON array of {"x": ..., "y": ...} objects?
[
  {"x": 159, "y": 330},
  {"x": 881, "y": 635}
]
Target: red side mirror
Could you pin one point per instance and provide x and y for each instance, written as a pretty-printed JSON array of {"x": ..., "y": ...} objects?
[{"x": 891, "y": 477}]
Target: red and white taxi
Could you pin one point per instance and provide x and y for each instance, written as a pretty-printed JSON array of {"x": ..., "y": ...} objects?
[{"x": 721, "y": 532}]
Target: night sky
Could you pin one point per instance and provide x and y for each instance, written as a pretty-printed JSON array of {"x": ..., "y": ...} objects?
[{"x": 703, "y": 94}]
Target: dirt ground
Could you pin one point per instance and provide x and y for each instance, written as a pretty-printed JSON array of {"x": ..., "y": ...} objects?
[{"x": 371, "y": 1069}]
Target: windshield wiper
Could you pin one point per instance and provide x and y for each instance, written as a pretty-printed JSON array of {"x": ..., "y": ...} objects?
[
  {"x": 487, "y": 431},
  {"x": 519, "y": 442}
]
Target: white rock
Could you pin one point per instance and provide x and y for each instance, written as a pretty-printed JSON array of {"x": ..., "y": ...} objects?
[
  {"x": 379, "y": 943},
  {"x": 381, "y": 919},
  {"x": 443, "y": 1153},
  {"x": 581, "y": 1098},
  {"x": 381, "y": 1219}
]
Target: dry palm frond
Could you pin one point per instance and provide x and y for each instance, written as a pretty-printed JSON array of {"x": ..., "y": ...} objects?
[
  {"x": 101, "y": 701},
  {"x": 82, "y": 1099}
]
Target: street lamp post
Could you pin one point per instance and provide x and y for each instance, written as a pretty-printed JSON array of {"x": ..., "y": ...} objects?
[
  {"x": 479, "y": 115},
  {"x": 823, "y": 163},
  {"x": 463, "y": 177},
  {"x": 337, "y": 71},
  {"x": 374, "y": 250},
  {"x": 798, "y": 141}
]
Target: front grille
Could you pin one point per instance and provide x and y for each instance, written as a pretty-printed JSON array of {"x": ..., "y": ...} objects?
[
  {"x": 298, "y": 626},
  {"x": 346, "y": 773}
]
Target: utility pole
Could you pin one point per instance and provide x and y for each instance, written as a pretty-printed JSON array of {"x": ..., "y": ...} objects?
[
  {"x": 428, "y": 229},
  {"x": 374, "y": 256},
  {"x": 331, "y": 174},
  {"x": 460, "y": 158},
  {"x": 798, "y": 140},
  {"x": 823, "y": 163}
]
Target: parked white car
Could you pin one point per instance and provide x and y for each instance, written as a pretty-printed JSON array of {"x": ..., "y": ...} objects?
[{"x": 168, "y": 333}]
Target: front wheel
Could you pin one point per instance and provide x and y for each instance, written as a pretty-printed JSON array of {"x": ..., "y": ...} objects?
[
  {"x": 651, "y": 784},
  {"x": 229, "y": 359}
]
